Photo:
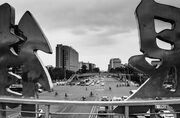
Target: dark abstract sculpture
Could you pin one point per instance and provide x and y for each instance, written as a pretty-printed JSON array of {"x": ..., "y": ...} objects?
[
  {"x": 164, "y": 74},
  {"x": 18, "y": 48}
]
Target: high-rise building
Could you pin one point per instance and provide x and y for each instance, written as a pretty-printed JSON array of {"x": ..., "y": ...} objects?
[
  {"x": 67, "y": 57},
  {"x": 115, "y": 63}
]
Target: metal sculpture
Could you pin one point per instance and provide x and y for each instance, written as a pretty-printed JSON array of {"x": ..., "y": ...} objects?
[
  {"x": 19, "y": 45},
  {"x": 165, "y": 71},
  {"x": 168, "y": 66}
]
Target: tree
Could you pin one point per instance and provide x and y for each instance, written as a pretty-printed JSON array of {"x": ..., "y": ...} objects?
[
  {"x": 69, "y": 73},
  {"x": 96, "y": 70},
  {"x": 119, "y": 70},
  {"x": 84, "y": 68},
  {"x": 112, "y": 70},
  {"x": 58, "y": 73}
]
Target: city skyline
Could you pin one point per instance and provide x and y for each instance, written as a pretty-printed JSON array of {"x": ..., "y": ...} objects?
[{"x": 98, "y": 29}]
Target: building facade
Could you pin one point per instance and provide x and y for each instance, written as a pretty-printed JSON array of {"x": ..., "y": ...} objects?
[
  {"x": 67, "y": 58},
  {"x": 90, "y": 66},
  {"x": 115, "y": 63}
]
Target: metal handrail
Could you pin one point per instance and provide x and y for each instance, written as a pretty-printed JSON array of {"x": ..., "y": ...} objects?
[
  {"x": 90, "y": 103},
  {"x": 127, "y": 104}
]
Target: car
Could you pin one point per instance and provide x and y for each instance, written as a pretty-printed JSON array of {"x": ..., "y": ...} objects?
[
  {"x": 40, "y": 90},
  {"x": 78, "y": 83},
  {"x": 102, "y": 111},
  {"x": 166, "y": 114},
  {"x": 97, "y": 82},
  {"x": 61, "y": 83},
  {"x": 86, "y": 80},
  {"x": 124, "y": 97},
  {"x": 116, "y": 98},
  {"x": 82, "y": 83},
  {"x": 92, "y": 84},
  {"x": 104, "y": 98},
  {"x": 102, "y": 84},
  {"x": 88, "y": 83},
  {"x": 71, "y": 83}
]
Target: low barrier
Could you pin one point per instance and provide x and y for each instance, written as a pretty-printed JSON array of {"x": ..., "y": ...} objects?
[{"x": 125, "y": 104}]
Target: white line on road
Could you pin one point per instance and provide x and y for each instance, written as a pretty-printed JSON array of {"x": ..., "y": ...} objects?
[
  {"x": 14, "y": 115},
  {"x": 92, "y": 111},
  {"x": 64, "y": 108}
]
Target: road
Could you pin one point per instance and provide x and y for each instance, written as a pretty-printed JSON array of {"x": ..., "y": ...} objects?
[{"x": 76, "y": 92}]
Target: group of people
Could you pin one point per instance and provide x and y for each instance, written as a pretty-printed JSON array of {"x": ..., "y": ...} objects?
[
  {"x": 56, "y": 94},
  {"x": 83, "y": 97}
]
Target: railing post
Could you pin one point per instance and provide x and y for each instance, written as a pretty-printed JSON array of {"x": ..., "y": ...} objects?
[
  {"x": 47, "y": 111},
  {"x": 2, "y": 113},
  {"x": 152, "y": 110},
  {"x": 126, "y": 111}
]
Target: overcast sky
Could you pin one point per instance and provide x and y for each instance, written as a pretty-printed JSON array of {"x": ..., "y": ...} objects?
[{"x": 98, "y": 29}]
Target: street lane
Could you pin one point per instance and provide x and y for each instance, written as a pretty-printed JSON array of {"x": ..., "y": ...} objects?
[{"x": 76, "y": 92}]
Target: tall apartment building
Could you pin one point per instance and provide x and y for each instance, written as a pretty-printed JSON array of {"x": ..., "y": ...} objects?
[
  {"x": 114, "y": 63},
  {"x": 67, "y": 57}
]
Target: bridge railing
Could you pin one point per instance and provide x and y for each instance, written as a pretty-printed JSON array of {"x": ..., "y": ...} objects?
[{"x": 125, "y": 104}]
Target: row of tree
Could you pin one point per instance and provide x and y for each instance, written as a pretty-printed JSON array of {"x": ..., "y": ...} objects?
[
  {"x": 136, "y": 76},
  {"x": 84, "y": 69},
  {"x": 59, "y": 73}
]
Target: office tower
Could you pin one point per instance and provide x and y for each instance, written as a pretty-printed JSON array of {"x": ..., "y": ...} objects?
[{"x": 67, "y": 57}]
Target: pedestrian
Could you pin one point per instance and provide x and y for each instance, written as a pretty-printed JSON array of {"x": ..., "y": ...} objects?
[
  {"x": 91, "y": 94},
  {"x": 66, "y": 95},
  {"x": 56, "y": 93},
  {"x": 110, "y": 88}
]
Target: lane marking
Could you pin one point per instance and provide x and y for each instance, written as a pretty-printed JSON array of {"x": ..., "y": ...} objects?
[
  {"x": 92, "y": 111},
  {"x": 14, "y": 115},
  {"x": 64, "y": 108}
]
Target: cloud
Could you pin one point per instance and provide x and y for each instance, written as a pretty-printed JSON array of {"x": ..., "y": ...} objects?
[
  {"x": 86, "y": 13},
  {"x": 75, "y": 13},
  {"x": 96, "y": 41},
  {"x": 97, "y": 29},
  {"x": 79, "y": 31},
  {"x": 114, "y": 16}
]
